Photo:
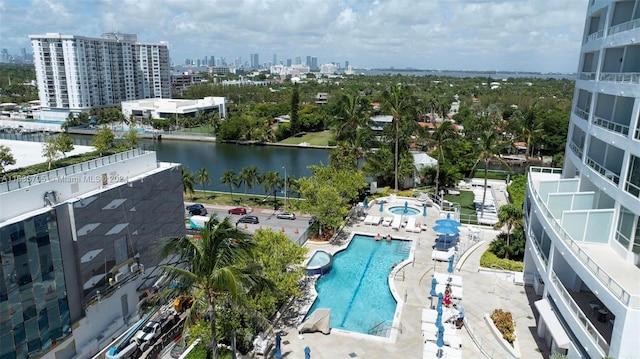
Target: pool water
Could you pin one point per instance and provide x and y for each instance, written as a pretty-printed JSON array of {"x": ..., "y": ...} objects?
[
  {"x": 357, "y": 289},
  {"x": 400, "y": 210}
]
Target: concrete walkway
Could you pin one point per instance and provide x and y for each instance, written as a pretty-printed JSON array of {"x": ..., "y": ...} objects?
[{"x": 483, "y": 292}]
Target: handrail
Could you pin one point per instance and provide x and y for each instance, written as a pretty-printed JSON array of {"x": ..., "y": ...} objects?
[
  {"x": 625, "y": 26},
  {"x": 577, "y": 150},
  {"x": 610, "y": 125},
  {"x": 581, "y": 113},
  {"x": 610, "y": 175},
  {"x": 590, "y": 76},
  {"x": 621, "y": 77},
  {"x": 609, "y": 282},
  {"x": 596, "y": 35},
  {"x": 582, "y": 318},
  {"x": 383, "y": 325}
]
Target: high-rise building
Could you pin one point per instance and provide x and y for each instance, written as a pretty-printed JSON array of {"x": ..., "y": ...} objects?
[
  {"x": 314, "y": 63},
  {"x": 288, "y": 62},
  {"x": 77, "y": 73},
  {"x": 275, "y": 60},
  {"x": 346, "y": 64},
  {"x": 298, "y": 60},
  {"x": 212, "y": 61},
  {"x": 255, "y": 62},
  {"x": 78, "y": 250},
  {"x": 582, "y": 223},
  {"x": 308, "y": 62}
]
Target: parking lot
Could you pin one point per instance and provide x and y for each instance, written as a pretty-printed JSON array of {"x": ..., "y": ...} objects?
[{"x": 267, "y": 218}]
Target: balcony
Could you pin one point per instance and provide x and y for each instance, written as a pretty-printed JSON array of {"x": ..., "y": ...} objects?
[
  {"x": 620, "y": 77},
  {"x": 626, "y": 26},
  {"x": 577, "y": 150},
  {"x": 589, "y": 76},
  {"x": 581, "y": 113},
  {"x": 611, "y": 126},
  {"x": 594, "y": 36},
  {"x": 612, "y": 177},
  {"x": 593, "y": 257},
  {"x": 586, "y": 326}
]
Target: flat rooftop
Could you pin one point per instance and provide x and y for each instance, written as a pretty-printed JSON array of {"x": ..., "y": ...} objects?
[{"x": 30, "y": 153}]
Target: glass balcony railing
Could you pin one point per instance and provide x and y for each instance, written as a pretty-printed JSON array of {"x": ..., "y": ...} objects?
[
  {"x": 621, "y": 77},
  {"x": 600, "y": 274},
  {"x": 577, "y": 150},
  {"x": 581, "y": 113},
  {"x": 538, "y": 250},
  {"x": 610, "y": 125},
  {"x": 613, "y": 177},
  {"x": 632, "y": 189},
  {"x": 586, "y": 324},
  {"x": 625, "y": 26},
  {"x": 590, "y": 76}
]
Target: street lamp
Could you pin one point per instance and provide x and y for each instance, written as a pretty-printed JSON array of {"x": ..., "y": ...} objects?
[{"x": 285, "y": 186}]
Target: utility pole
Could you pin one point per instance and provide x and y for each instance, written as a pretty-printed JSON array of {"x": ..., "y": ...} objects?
[{"x": 285, "y": 187}]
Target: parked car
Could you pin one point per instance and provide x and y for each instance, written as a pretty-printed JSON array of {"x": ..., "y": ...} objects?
[
  {"x": 238, "y": 210},
  {"x": 249, "y": 219},
  {"x": 313, "y": 220},
  {"x": 197, "y": 209},
  {"x": 286, "y": 215}
]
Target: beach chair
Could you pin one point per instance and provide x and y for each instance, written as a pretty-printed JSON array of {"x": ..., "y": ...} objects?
[
  {"x": 411, "y": 224},
  {"x": 397, "y": 222},
  {"x": 386, "y": 221}
]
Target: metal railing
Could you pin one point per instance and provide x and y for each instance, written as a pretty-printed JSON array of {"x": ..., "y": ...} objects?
[
  {"x": 538, "y": 249},
  {"x": 621, "y": 77},
  {"x": 600, "y": 274},
  {"x": 488, "y": 346},
  {"x": 590, "y": 76},
  {"x": 581, "y": 113},
  {"x": 625, "y": 26},
  {"x": 610, "y": 125},
  {"x": 577, "y": 150},
  {"x": 613, "y": 177},
  {"x": 579, "y": 314},
  {"x": 632, "y": 189},
  {"x": 595, "y": 35}
]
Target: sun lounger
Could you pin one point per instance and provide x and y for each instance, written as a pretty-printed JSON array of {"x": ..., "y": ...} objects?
[
  {"x": 386, "y": 221},
  {"x": 430, "y": 315},
  {"x": 456, "y": 292},
  {"x": 368, "y": 219},
  {"x": 397, "y": 222},
  {"x": 261, "y": 344},
  {"x": 411, "y": 224},
  {"x": 442, "y": 256},
  {"x": 376, "y": 220},
  {"x": 454, "y": 280}
]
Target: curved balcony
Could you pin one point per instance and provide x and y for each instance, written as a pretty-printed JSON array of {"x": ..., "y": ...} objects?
[
  {"x": 611, "y": 126},
  {"x": 621, "y": 77},
  {"x": 625, "y": 26}
]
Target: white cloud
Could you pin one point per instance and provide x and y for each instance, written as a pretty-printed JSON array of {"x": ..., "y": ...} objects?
[{"x": 453, "y": 34}]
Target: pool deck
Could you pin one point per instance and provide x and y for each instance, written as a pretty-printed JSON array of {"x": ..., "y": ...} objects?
[{"x": 484, "y": 292}]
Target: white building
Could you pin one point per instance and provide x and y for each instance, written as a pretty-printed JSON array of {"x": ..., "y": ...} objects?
[
  {"x": 77, "y": 73},
  {"x": 328, "y": 69},
  {"x": 168, "y": 108},
  {"x": 582, "y": 222},
  {"x": 78, "y": 244}
]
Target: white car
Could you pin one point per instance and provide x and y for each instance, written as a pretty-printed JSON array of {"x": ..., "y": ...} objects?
[{"x": 286, "y": 215}]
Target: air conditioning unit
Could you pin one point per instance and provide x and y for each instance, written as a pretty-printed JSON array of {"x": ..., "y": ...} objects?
[
  {"x": 135, "y": 267},
  {"x": 119, "y": 277}
]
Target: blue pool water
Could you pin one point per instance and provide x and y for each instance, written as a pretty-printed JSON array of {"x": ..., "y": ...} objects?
[
  {"x": 400, "y": 210},
  {"x": 53, "y": 122},
  {"x": 357, "y": 290}
]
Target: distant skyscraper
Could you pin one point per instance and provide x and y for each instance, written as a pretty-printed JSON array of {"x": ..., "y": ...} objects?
[
  {"x": 198, "y": 62},
  {"x": 346, "y": 63},
  {"x": 80, "y": 73},
  {"x": 275, "y": 59},
  {"x": 288, "y": 62},
  {"x": 308, "y": 62},
  {"x": 255, "y": 62},
  {"x": 314, "y": 63},
  {"x": 212, "y": 61},
  {"x": 298, "y": 60}
]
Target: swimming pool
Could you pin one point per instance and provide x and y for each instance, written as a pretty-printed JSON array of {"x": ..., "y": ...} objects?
[
  {"x": 357, "y": 288},
  {"x": 400, "y": 210}
]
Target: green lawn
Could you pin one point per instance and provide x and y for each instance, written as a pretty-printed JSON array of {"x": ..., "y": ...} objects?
[
  {"x": 313, "y": 138},
  {"x": 239, "y": 199},
  {"x": 466, "y": 202},
  {"x": 206, "y": 130}
]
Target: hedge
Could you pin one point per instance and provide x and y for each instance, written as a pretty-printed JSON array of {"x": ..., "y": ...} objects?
[{"x": 489, "y": 259}]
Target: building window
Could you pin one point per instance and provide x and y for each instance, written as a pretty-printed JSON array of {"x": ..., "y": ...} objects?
[{"x": 624, "y": 231}]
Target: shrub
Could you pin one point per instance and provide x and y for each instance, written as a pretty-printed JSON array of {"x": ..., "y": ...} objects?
[
  {"x": 514, "y": 250},
  {"x": 489, "y": 259},
  {"x": 504, "y": 322}
]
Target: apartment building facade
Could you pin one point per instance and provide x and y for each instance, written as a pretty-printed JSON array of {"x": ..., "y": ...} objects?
[
  {"x": 77, "y": 73},
  {"x": 582, "y": 221}
]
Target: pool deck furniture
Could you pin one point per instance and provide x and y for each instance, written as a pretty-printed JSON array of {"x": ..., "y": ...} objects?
[
  {"x": 411, "y": 224},
  {"x": 397, "y": 221},
  {"x": 368, "y": 219},
  {"x": 443, "y": 256},
  {"x": 444, "y": 278},
  {"x": 430, "y": 350},
  {"x": 430, "y": 315},
  {"x": 386, "y": 221},
  {"x": 456, "y": 292},
  {"x": 261, "y": 344}
]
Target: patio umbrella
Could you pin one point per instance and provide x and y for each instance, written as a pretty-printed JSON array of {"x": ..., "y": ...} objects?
[
  {"x": 381, "y": 205},
  {"x": 433, "y": 287},
  {"x": 307, "y": 352},
  {"x": 440, "y": 297},
  {"x": 439, "y": 319},
  {"x": 446, "y": 230},
  {"x": 440, "y": 340},
  {"x": 278, "y": 353},
  {"x": 406, "y": 206},
  {"x": 450, "y": 269},
  {"x": 448, "y": 222},
  {"x": 424, "y": 210},
  {"x": 366, "y": 202}
]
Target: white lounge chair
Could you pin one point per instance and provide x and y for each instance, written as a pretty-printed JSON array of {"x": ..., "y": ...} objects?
[
  {"x": 386, "y": 221},
  {"x": 261, "y": 344},
  {"x": 411, "y": 224},
  {"x": 456, "y": 292},
  {"x": 368, "y": 219},
  {"x": 442, "y": 278},
  {"x": 397, "y": 222},
  {"x": 376, "y": 220}
]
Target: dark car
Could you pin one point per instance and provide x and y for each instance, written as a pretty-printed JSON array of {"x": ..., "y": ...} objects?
[
  {"x": 238, "y": 210},
  {"x": 286, "y": 215},
  {"x": 249, "y": 219},
  {"x": 313, "y": 220},
  {"x": 197, "y": 209}
]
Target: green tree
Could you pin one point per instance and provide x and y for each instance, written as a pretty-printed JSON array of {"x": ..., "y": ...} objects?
[
  {"x": 188, "y": 181},
  {"x": 350, "y": 114},
  {"x": 202, "y": 177},
  {"x": 50, "y": 150},
  {"x": 509, "y": 216},
  {"x": 6, "y": 158},
  {"x": 488, "y": 149},
  {"x": 440, "y": 137},
  {"x": 229, "y": 177},
  {"x": 220, "y": 265},
  {"x": 103, "y": 140},
  {"x": 131, "y": 138},
  {"x": 64, "y": 144},
  {"x": 271, "y": 181},
  {"x": 295, "y": 103}
]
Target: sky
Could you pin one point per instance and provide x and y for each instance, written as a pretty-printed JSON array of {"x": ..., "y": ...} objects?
[{"x": 502, "y": 35}]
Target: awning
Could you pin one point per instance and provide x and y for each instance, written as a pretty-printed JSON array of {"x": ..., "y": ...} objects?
[{"x": 553, "y": 324}]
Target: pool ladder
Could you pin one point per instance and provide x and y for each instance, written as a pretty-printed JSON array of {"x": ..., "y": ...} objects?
[
  {"x": 383, "y": 329},
  {"x": 404, "y": 249}
]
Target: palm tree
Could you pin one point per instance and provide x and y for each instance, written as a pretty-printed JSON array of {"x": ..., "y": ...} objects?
[
  {"x": 489, "y": 148},
  {"x": 399, "y": 102},
  {"x": 243, "y": 178},
  {"x": 202, "y": 176},
  {"x": 253, "y": 177},
  {"x": 350, "y": 115},
  {"x": 219, "y": 266},
  {"x": 442, "y": 136},
  {"x": 271, "y": 180},
  {"x": 188, "y": 181},
  {"x": 529, "y": 126},
  {"x": 510, "y": 216},
  {"x": 229, "y": 177}
]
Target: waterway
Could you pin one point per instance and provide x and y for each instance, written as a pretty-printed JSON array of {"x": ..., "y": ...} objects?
[{"x": 219, "y": 157}]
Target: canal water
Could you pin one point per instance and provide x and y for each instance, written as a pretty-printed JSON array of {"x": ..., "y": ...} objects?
[{"x": 219, "y": 157}]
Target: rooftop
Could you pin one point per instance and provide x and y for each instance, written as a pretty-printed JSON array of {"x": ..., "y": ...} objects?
[{"x": 30, "y": 153}]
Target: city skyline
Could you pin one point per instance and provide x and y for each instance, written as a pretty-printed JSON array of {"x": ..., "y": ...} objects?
[{"x": 539, "y": 36}]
